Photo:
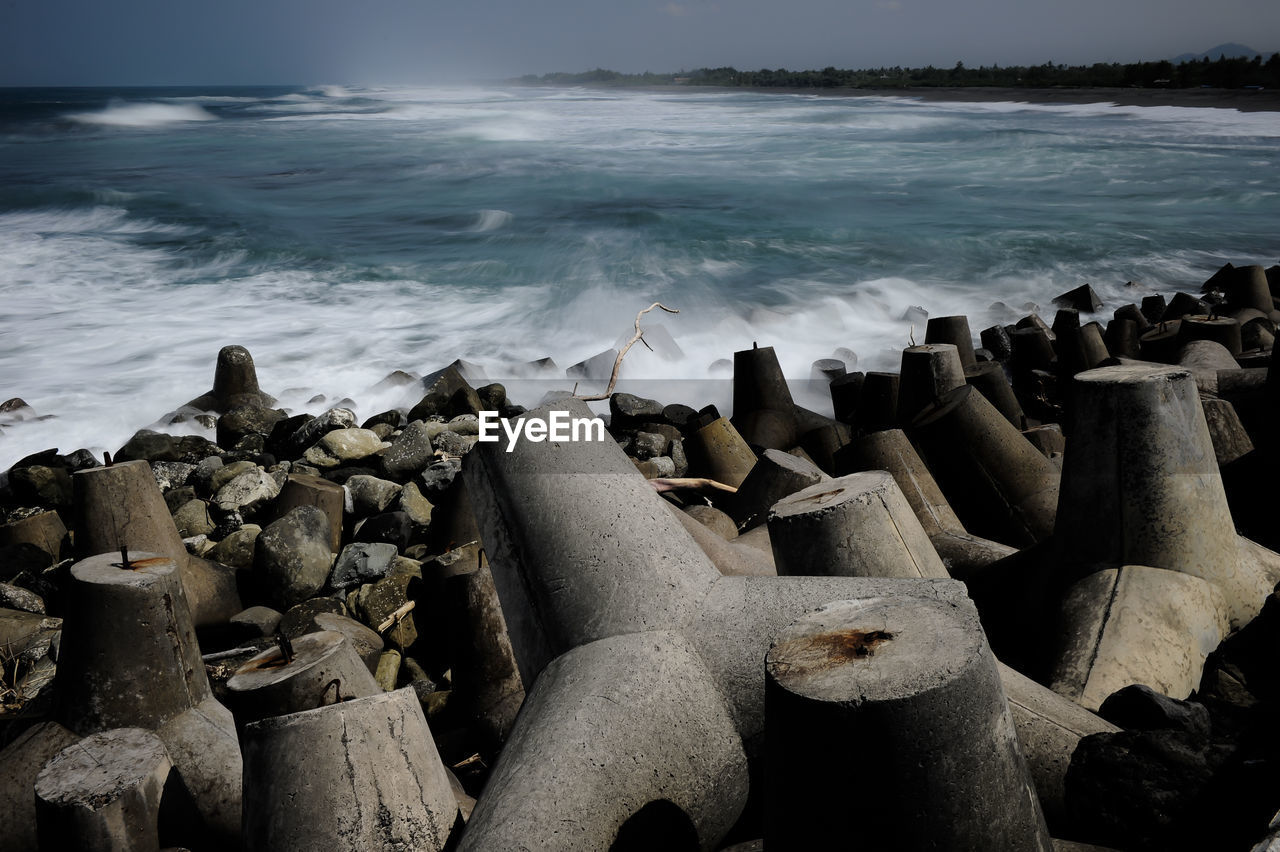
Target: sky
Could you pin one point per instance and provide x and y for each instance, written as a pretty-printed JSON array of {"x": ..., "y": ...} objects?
[{"x": 177, "y": 42}]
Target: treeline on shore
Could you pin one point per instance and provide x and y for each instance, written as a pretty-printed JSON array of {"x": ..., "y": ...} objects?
[{"x": 1222, "y": 73}]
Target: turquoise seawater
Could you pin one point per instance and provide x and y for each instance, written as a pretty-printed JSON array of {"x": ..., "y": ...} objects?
[{"x": 342, "y": 234}]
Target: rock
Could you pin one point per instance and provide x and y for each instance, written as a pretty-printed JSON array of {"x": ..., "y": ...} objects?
[
  {"x": 236, "y": 549},
  {"x": 647, "y": 445},
  {"x": 375, "y": 602},
  {"x": 170, "y": 475},
  {"x": 362, "y": 562},
  {"x": 248, "y": 492},
  {"x": 1242, "y": 671},
  {"x": 202, "y": 477},
  {"x": 391, "y": 527},
  {"x": 679, "y": 459},
  {"x": 392, "y": 418},
  {"x": 156, "y": 446},
  {"x": 626, "y": 410},
  {"x": 370, "y": 495},
  {"x": 440, "y": 388},
  {"x": 1149, "y": 790},
  {"x": 259, "y": 620},
  {"x": 413, "y": 504},
  {"x": 292, "y": 558},
  {"x": 227, "y": 472},
  {"x": 16, "y": 597},
  {"x": 246, "y": 421},
  {"x": 1138, "y": 707},
  {"x": 23, "y": 557},
  {"x": 301, "y": 619},
  {"x": 452, "y": 444},
  {"x": 464, "y": 424},
  {"x": 42, "y": 485},
  {"x": 367, "y": 643},
  {"x": 657, "y": 468},
  {"x": 344, "y": 445},
  {"x": 493, "y": 397},
  {"x": 313, "y": 429},
  {"x": 193, "y": 519}
]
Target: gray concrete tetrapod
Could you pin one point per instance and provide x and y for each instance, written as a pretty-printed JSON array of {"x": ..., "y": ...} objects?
[
  {"x": 1049, "y": 729},
  {"x": 1136, "y": 624},
  {"x": 235, "y": 383},
  {"x": 323, "y": 669},
  {"x": 990, "y": 380},
  {"x": 953, "y": 330},
  {"x": 928, "y": 371},
  {"x": 360, "y": 775},
  {"x": 611, "y": 732},
  {"x": 886, "y": 721},
  {"x": 878, "y": 407},
  {"x": 859, "y": 525},
  {"x": 45, "y": 530},
  {"x": 22, "y": 759},
  {"x": 102, "y": 794},
  {"x": 758, "y": 384},
  {"x": 1141, "y": 486},
  {"x": 129, "y": 658},
  {"x": 1001, "y": 487},
  {"x": 775, "y": 475},
  {"x": 734, "y": 558},
  {"x": 121, "y": 506}
]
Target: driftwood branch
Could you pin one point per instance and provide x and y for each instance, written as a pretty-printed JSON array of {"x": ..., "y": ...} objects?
[
  {"x": 617, "y": 362},
  {"x": 681, "y": 483},
  {"x": 395, "y": 617}
]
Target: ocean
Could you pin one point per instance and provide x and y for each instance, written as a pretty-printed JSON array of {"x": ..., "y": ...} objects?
[{"x": 341, "y": 234}]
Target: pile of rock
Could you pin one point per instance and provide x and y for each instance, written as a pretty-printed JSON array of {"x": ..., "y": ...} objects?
[{"x": 998, "y": 600}]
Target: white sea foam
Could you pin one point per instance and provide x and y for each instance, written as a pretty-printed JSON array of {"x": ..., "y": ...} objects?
[{"x": 121, "y": 114}]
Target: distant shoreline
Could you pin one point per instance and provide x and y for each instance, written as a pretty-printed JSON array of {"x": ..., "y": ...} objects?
[{"x": 1244, "y": 100}]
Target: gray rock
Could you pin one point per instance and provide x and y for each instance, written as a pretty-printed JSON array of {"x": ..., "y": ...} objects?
[
  {"x": 377, "y": 601},
  {"x": 678, "y": 458},
  {"x": 263, "y": 620},
  {"x": 193, "y": 519},
  {"x": 1139, "y": 707},
  {"x": 246, "y": 421},
  {"x": 453, "y": 444},
  {"x": 16, "y": 597},
  {"x": 170, "y": 475},
  {"x": 202, "y": 477},
  {"x": 227, "y": 472},
  {"x": 237, "y": 548},
  {"x": 301, "y": 619},
  {"x": 647, "y": 445},
  {"x": 410, "y": 453},
  {"x": 437, "y": 479},
  {"x": 248, "y": 492},
  {"x": 657, "y": 468},
  {"x": 464, "y": 424},
  {"x": 313, "y": 430},
  {"x": 627, "y": 409},
  {"x": 292, "y": 558},
  {"x": 385, "y": 431},
  {"x": 413, "y": 504},
  {"x": 45, "y": 486},
  {"x": 370, "y": 495},
  {"x": 362, "y": 562},
  {"x": 156, "y": 446},
  {"x": 344, "y": 445}
]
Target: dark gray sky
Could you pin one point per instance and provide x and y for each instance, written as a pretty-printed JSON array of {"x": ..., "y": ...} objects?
[{"x": 119, "y": 42}]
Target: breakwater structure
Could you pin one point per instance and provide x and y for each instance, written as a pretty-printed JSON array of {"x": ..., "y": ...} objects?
[{"x": 1018, "y": 595}]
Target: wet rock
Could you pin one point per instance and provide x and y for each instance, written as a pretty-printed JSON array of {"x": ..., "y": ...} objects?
[
  {"x": 392, "y": 418},
  {"x": 647, "y": 445},
  {"x": 315, "y": 428},
  {"x": 370, "y": 495},
  {"x": 202, "y": 477},
  {"x": 362, "y": 562},
  {"x": 342, "y": 446},
  {"x": 21, "y": 558},
  {"x": 657, "y": 468},
  {"x": 42, "y": 485},
  {"x": 493, "y": 397},
  {"x": 628, "y": 410},
  {"x": 452, "y": 444},
  {"x": 292, "y": 558},
  {"x": 440, "y": 387},
  {"x": 375, "y": 602}
]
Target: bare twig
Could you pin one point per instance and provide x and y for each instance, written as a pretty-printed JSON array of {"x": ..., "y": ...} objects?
[{"x": 617, "y": 362}]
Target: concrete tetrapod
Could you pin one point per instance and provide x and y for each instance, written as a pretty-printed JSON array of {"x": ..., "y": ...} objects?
[
  {"x": 928, "y": 371},
  {"x": 129, "y": 658},
  {"x": 121, "y": 506},
  {"x": 886, "y": 722},
  {"x": 1136, "y": 624},
  {"x": 359, "y": 775},
  {"x": 324, "y": 668},
  {"x": 1000, "y": 485},
  {"x": 626, "y": 736},
  {"x": 775, "y": 475},
  {"x": 302, "y": 490},
  {"x": 953, "y": 330},
  {"x": 859, "y": 525},
  {"x": 102, "y": 794},
  {"x": 719, "y": 452},
  {"x": 1141, "y": 485}
]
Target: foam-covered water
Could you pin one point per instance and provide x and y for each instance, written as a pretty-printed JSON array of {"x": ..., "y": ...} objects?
[{"x": 343, "y": 233}]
